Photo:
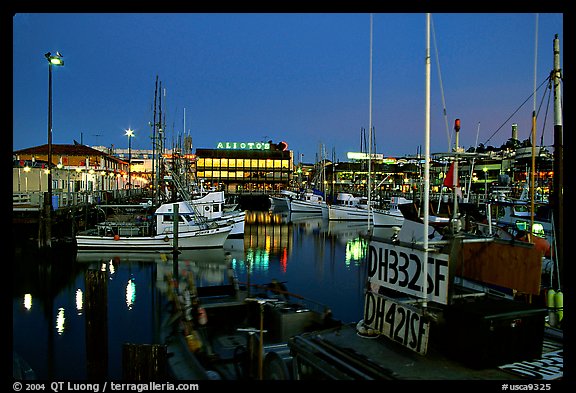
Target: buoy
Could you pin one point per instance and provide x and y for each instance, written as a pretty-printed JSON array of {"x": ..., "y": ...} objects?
[
  {"x": 116, "y": 237},
  {"x": 193, "y": 341},
  {"x": 550, "y": 301},
  {"x": 550, "y": 298},
  {"x": 202, "y": 317},
  {"x": 559, "y": 305}
]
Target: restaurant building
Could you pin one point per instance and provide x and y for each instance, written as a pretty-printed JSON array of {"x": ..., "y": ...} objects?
[{"x": 237, "y": 167}]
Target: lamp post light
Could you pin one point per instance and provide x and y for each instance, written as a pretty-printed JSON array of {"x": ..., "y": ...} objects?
[
  {"x": 53, "y": 60},
  {"x": 130, "y": 135}
]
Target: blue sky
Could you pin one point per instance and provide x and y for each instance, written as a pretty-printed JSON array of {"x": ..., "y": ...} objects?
[{"x": 302, "y": 78}]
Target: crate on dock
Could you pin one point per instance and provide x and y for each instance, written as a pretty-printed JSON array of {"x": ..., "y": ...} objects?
[{"x": 492, "y": 332}]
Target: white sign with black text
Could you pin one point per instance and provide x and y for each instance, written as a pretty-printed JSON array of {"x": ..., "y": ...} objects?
[
  {"x": 397, "y": 321},
  {"x": 402, "y": 269}
]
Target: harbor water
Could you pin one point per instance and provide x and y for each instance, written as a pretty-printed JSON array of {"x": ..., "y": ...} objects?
[{"x": 73, "y": 312}]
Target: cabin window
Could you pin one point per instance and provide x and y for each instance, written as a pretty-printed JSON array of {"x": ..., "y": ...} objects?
[{"x": 168, "y": 218}]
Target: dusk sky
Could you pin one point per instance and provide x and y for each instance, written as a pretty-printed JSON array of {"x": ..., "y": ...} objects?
[{"x": 302, "y": 78}]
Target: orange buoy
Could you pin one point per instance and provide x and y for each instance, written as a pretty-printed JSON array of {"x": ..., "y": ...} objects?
[{"x": 116, "y": 237}]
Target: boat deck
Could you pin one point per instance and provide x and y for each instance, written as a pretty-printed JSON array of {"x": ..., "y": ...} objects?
[{"x": 351, "y": 356}]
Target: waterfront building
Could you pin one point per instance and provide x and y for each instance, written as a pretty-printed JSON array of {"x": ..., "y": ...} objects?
[
  {"x": 237, "y": 167},
  {"x": 75, "y": 168}
]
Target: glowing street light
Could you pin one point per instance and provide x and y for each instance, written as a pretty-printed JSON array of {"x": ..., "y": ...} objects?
[
  {"x": 53, "y": 60},
  {"x": 130, "y": 134}
]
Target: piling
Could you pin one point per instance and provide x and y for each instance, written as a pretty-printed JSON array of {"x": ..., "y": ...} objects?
[
  {"x": 144, "y": 362},
  {"x": 96, "y": 305}
]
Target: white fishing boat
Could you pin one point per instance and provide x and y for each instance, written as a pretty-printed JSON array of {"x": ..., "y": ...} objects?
[
  {"x": 212, "y": 206},
  {"x": 421, "y": 319},
  {"x": 349, "y": 207},
  {"x": 281, "y": 201},
  {"x": 391, "y": 216},
  {"x": 156, "y": 232},
  {"x": 309, "y": 202}
]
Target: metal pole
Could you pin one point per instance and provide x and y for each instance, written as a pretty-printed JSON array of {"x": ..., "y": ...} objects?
[
  {"x": 426, "y": 197},
  {"x": 558, "y": 181},
  {"x": 129, "y": 163},
  {"x": 49, "y": 137}
]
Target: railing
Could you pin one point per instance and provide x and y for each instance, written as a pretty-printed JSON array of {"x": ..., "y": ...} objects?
[{"x": 33, "y": 200}]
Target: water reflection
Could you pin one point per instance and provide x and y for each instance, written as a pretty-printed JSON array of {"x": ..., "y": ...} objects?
[{"x": 72, "y": 312}]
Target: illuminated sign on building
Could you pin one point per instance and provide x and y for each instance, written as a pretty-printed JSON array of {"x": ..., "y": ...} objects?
[
  {"x": 363, "y": 156},
  {"x": 244, "y": 145}
]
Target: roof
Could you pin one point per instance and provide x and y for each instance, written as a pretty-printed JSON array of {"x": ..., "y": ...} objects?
[{"x": 70, "y": 150}]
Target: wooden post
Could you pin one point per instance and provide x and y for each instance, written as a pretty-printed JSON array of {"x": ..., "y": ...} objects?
[
  {"x": 144, "y": 362},
  {"x": 96, "y": 302},
  {"x": 45, "y": 223}
]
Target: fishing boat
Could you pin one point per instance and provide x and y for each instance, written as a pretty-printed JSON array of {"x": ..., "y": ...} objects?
[
  {"x": 212, "y": 206},
  {"x": 308, "y": 202},
  {"x": 391, "y": 216},
  {"x": 349, "y": 207},
  {"x": 281, "y": 201},
  {"x": 227, "y": 330},
  {"x": 458, "y": 306},
  {"x": 172, "y": 226}
]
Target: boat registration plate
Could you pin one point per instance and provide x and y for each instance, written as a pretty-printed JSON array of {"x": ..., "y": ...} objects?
[
  {"x": 401, "y": 322},
  {"x": 403, "y": 269}
]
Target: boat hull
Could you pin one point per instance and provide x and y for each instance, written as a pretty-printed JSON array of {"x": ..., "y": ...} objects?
[
  {"x": 383, "y": 218},
  {"x": 237, "y": 219},
  {"x": 305, "y": 206},
  {"x": 208, "y": 238},
  {"x": 343, "y": 213}
]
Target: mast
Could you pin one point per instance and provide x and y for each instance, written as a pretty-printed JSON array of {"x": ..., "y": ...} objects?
[
  {"x": 533, "y": 137},
  {"x": 370, "y": 131},
  {"x": 426, "y": 163},
  {"x": 558, "y": 181},
  {"x": 154, "y": 144}
]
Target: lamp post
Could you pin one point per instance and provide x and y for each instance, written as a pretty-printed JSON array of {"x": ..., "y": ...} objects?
[
  {"x": 53, "y": 60},
  {"x": 130, "y": 135}
]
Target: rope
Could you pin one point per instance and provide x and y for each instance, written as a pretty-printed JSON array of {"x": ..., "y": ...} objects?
[
  {"x": 521, "y": 105},
  {"x": 441, "y": 87}
]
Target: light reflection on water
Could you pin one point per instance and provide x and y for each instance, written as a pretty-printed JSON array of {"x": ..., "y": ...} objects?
[{"x": 321, "y": 260}]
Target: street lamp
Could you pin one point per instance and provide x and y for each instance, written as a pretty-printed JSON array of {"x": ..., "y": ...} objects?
[
  {"x": 53, "y": 60},
  {"x": 130, "y": 135}
]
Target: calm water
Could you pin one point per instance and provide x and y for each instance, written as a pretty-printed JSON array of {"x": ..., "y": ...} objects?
[{"x": 65, "y": 329}]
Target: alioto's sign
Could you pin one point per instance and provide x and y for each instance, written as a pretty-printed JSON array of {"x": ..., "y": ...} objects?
[
  {"x": 402, "y": 269},
  {"x": 244, "y": 145}
]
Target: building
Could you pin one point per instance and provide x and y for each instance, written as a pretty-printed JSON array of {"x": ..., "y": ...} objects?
[
  {"x": 238, "y": 167},
  {"x": 75, "y": 169}
]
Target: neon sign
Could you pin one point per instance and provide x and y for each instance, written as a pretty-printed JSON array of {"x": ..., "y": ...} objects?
[{"x": 244, "y": 145}]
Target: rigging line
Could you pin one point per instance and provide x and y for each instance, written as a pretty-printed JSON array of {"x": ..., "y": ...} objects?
[
  {"x": 546, "y": 115},
  {"x": 517, "y": 109},
  {"x": 448, "y": 135}
]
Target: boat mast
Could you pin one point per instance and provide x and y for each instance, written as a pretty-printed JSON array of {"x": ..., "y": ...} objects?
[
  {"x": 154, "y": 147},
  {"x": 370, "y": 131},
  {"x": 426, "y": 162},
  {"x": 558, "y": 186},
  {"x": 533, "y": 137}
]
